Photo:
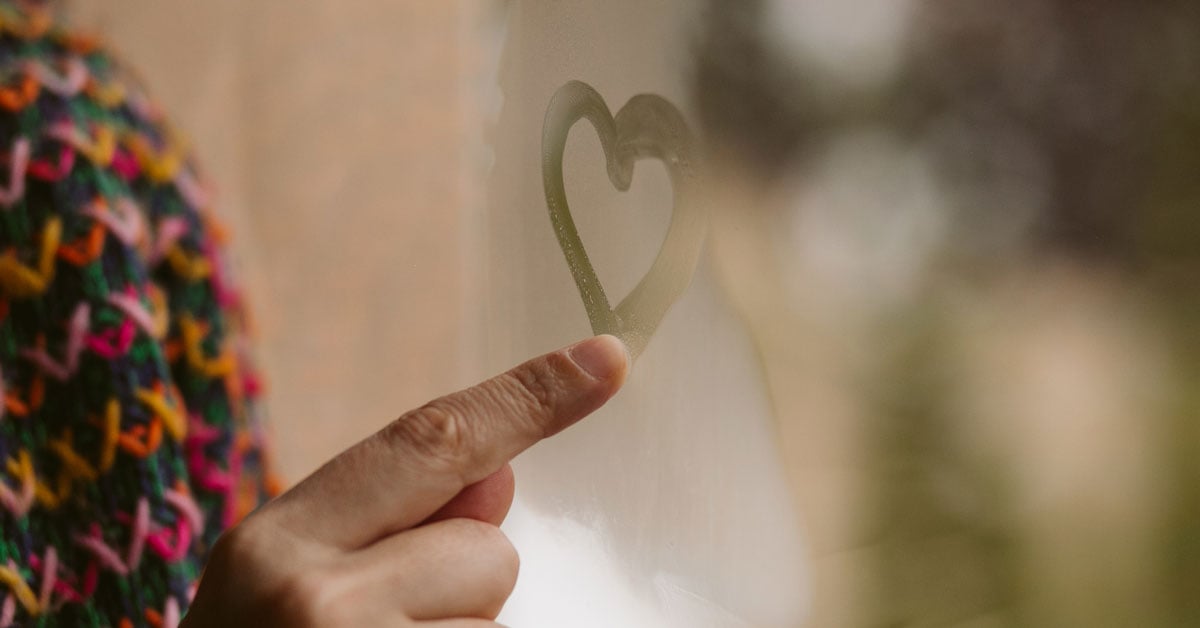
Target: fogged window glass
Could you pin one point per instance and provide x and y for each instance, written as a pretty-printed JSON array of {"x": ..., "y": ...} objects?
[
  {"x": 930, "y": 361},
  {"x": 670, "y": 507}
]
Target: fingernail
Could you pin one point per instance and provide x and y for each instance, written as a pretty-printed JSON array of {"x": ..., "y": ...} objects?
[{"x": 602, "y": 357}]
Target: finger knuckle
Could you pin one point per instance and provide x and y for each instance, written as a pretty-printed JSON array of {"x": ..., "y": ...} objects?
[
  {"x": 241, "y": 545},
  {"x": 308, "y": 598},
  {"x": 436, "y": 433}
]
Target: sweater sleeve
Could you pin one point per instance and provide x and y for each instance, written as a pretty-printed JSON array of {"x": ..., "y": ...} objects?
[{"x": 129, "y": 435}]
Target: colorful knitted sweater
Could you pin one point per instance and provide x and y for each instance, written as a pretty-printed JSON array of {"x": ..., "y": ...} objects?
[{"x": 128, "y": 432}]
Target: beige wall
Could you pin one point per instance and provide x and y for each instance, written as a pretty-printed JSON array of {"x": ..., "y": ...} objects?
[{"x": 330, "y": 129}]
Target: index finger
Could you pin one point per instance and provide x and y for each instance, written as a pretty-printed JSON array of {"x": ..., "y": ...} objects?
[{"x": 401, "y": 475}]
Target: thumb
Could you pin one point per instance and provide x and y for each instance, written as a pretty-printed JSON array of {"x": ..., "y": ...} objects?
[{"x": 487, "y": 500}]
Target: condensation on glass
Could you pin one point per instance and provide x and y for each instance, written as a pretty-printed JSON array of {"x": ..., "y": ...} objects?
[{"x": 669, "y": 507}]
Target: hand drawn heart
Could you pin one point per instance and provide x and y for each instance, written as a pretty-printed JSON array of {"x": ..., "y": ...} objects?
[{"x": 648, "y": 126}]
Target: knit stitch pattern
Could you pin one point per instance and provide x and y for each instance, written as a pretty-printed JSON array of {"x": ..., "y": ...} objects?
[{"x": 129, "y": 438}]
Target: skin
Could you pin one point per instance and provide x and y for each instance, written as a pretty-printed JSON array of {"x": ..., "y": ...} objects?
[{"x": 401, "y": 529}]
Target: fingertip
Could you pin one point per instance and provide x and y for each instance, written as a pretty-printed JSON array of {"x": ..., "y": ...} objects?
[{"x": 602, "y": 357}]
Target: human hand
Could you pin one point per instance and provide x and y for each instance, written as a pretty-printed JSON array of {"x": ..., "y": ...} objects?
[{"x": 400, "y": 530}]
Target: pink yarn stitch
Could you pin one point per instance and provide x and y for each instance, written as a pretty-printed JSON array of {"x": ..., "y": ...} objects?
[
  {"x": 161, "y": 542},
  {"x": 113, "y": 343},
  {"x": 207, "y": 475},
  {"x": 101, "y": 551},
  {"x": 131, "y": 306},
  {"x": 224, "y": 293},
  {"x": 125, "y": 165},
  {"x": 187, "y": 509},
  {"x": 191, "y": 189},
  {"x": 49, "y": 576},
  {"x": 170, "y": 230},
  {"x": 48, "y": 171},
  {"x": 18, "y": 165},
  {"x": 126, "y": 223},
  {"x": 141, "y": 523},
  {"x": 76, "y": 331},
  {"x": 171, "y": 613},
  {"x": 18, "y": 505},
  {"x": 9, "y": 611},
  {"x": 67, "y": 84}
]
